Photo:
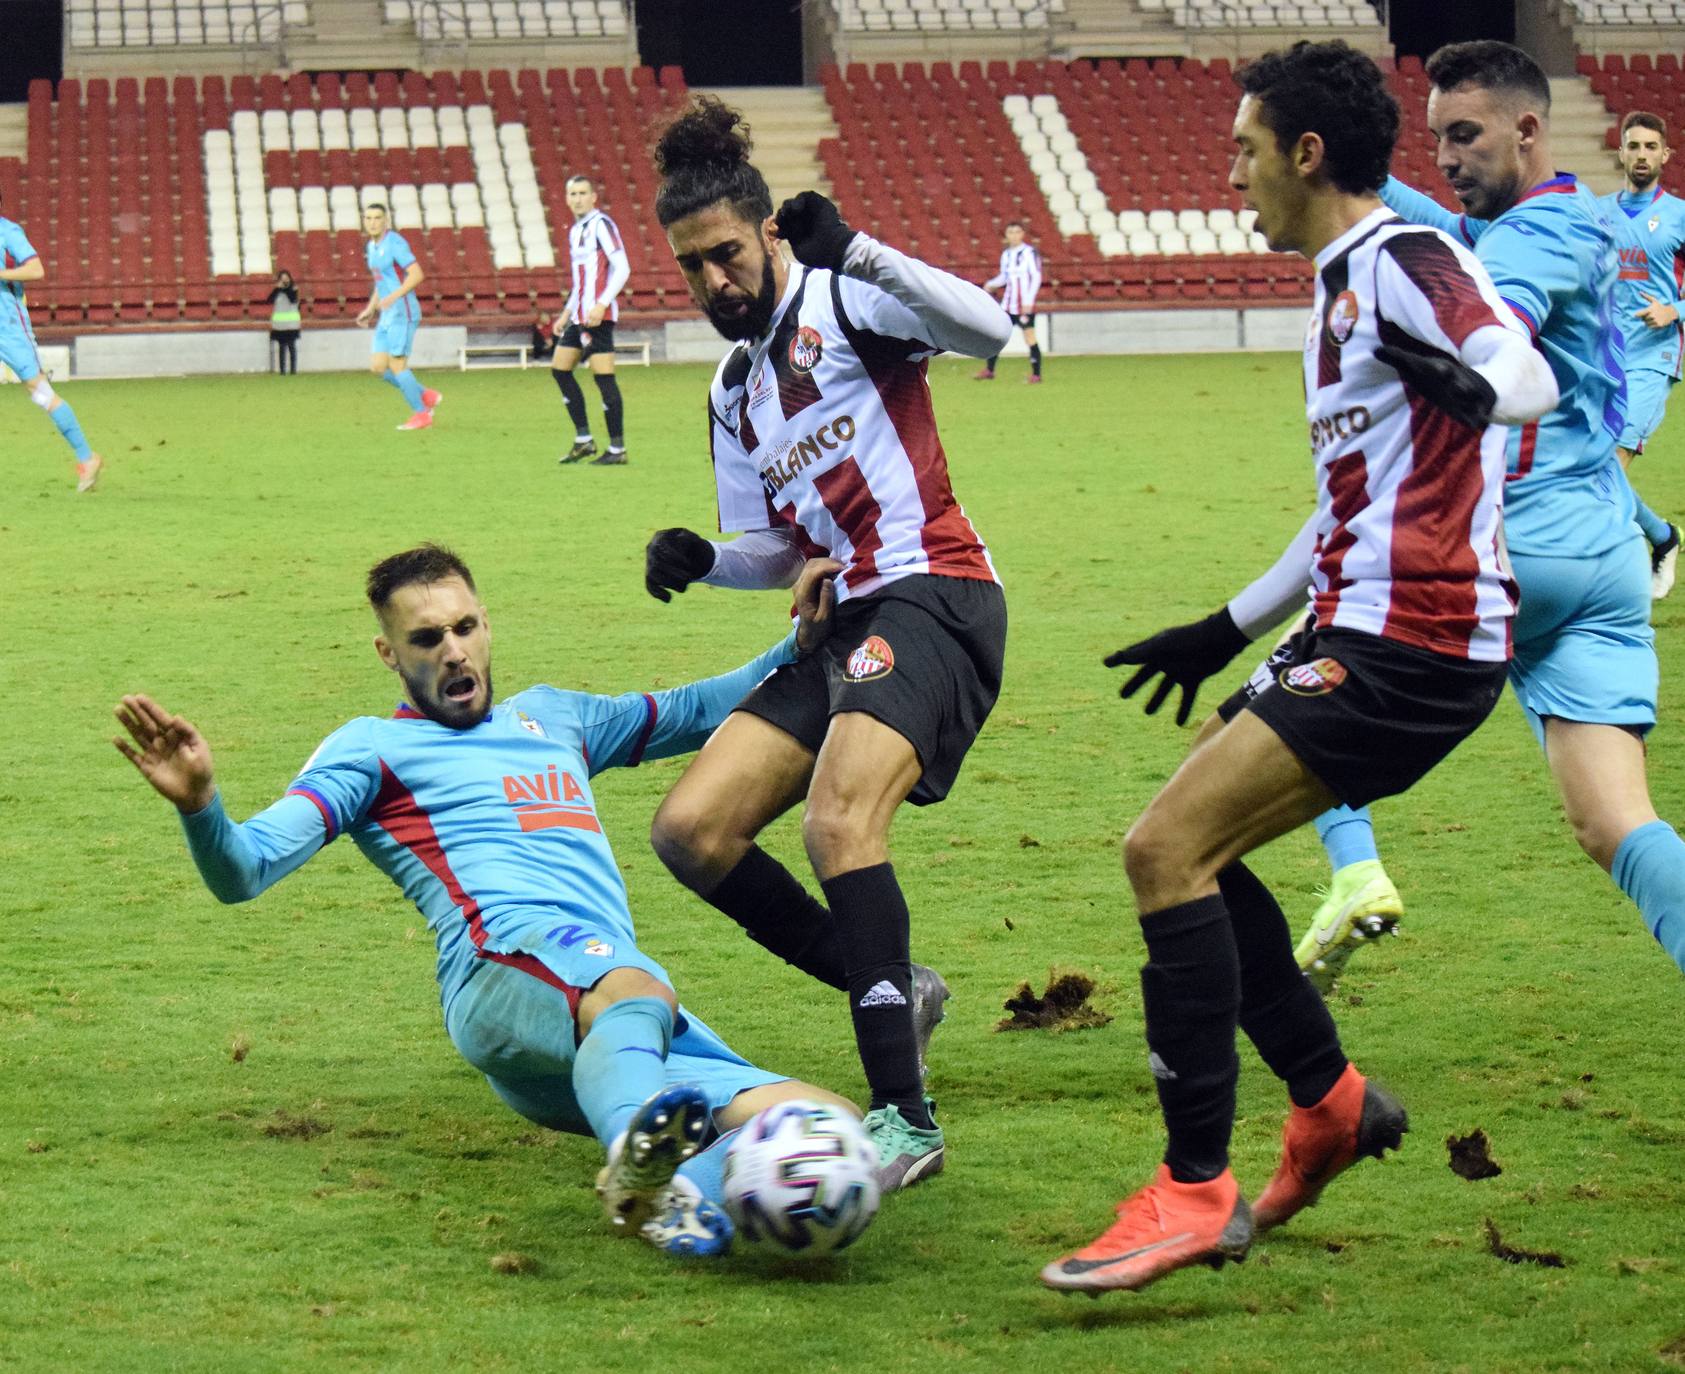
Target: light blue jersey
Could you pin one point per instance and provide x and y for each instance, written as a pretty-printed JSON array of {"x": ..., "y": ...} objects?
[
  {"x": 388, "y": 257},
  {"x": 17, "y": 336},
  {"x": 493, "y": 831},
  {"x": 1552, "y": 257},
  {"x": 1650, "y": 237}
]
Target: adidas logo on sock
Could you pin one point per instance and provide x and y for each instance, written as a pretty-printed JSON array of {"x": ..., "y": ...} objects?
[{"x": 883, "y": 994}]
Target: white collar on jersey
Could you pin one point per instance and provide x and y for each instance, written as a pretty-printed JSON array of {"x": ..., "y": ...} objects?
[{"x": 1352, "y": 235}]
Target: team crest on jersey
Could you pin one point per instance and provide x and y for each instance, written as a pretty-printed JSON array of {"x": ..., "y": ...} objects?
[
  {"x": 1342, "y": 317},
  {"x": 805, "y": 349},
  {"x": 527, "y": 723},
  {"x": 1314, "y": 679},
  {"x": 1655, "y": 223},
  {"x": 599, "y": 948},
  {"x": 873, "y": 659}
]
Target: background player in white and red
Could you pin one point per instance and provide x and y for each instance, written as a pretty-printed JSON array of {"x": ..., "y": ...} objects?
[
  {"x": 1017, "y": 281},
  {"x": 597, "y": 259},
  {"x": 1410, "y": 352},
  {"x": 824, "y": 443}
]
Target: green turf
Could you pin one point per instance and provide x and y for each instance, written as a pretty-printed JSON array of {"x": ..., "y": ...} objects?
[{"x": 332, "y": 1195}]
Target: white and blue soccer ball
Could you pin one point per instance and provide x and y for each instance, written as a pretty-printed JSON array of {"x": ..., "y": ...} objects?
[{"x": 801, "y": 1178}]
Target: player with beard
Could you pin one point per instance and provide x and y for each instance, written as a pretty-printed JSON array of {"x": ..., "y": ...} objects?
[
  {"x": 483, "y": 815},
  {"x": 1649, "y": 227},
  {"x": 824, "y": 442}
]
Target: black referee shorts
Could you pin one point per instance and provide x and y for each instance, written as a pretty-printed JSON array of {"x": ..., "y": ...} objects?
[
  {"x": 1024, "y": 321},
  {"x": 1368, "y": 716},
  {"x": 923, "y": 655}
]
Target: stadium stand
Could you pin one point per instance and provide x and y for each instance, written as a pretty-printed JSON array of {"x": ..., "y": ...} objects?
[
  {"x": 1266, "y": 14},
  {"x": 509, "y": 20},
  {"x": 944, "y": 16},
  {"x": 175, "y": 201},
  {"x": 177, "y": 23}
]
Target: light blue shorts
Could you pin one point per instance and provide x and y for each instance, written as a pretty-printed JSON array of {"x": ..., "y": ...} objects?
[
  {"x": 1584, "y": 649},
  {"x": 517, "y": 1027},
  {"x": 1646, "y": 403},
  {"x": 17, "y": 351},
  {"x": 394, "y": 333}
]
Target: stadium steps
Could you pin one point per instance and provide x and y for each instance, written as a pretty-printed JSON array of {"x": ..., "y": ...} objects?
[
  {"x": 349, "y": 35},
  {"x": 787, "y": 123},
  {"x": 1578, "y": 121},
  {"x": 1103, "y": 28},
  {"x": 14, "y": 130}
]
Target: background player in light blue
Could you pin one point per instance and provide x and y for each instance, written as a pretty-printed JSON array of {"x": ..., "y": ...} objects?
[
  {"x": 20, "y": 263},
  {"x": 1585, "y": 666},
  {"x": 483, "y": 815},
  {"x": 1649, "y": 227},
  {"x": 393, "y": 299}
]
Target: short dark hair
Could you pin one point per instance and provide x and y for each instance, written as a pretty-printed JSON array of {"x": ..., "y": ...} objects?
[
  {"x": 580, "y": 176},
  {"x": 702, "y": 155},
  {"x": 1336, "y": 92},
  {"x": 1492, "y": 66},
  {"x": 1643, "y": 119},
  {"x": 1013, "y": 224},
  {"x": 425, "y": 563},
  {"x": 375, "y": 205}
]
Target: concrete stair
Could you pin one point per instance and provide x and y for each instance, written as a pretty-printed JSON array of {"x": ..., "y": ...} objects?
[
  {"x": 787, "y": 124},
  {"x": 1578, "y": 119},
  {"x": 1105, "y": 28}
]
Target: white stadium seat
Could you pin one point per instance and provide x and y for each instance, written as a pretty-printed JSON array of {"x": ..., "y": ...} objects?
[
  {"x": 1219, "y": 220},
  {"x": 1143, "y": 245},
  {"x": 1202, "y": 241},
  {"x": 1112, "y": 244},
  {"x": 1173, "y": 242},
  {"x": 1161, "y": 221},
  {"x": 1131, "y": 221}
]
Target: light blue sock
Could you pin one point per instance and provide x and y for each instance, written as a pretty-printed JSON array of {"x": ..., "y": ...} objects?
[
  {"x": 706, "y": 1169},
  {"x": 407, "y": 383},
  {"x": 1347, "y": 835},
  {"x": 1654, "y": 527},
  {"x": 622, "y": 1063},
  {"x": 1650, "y": 868},
  {"x": 65, "y": 418}
]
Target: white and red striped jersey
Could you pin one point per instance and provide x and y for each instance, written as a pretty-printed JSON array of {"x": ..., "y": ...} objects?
[
  {"x": 1409, "y": 541},
  {"x": 824, "y": 429},
  {"x": 599, "y": 263},
  {"x": 1020, "y": 274}
]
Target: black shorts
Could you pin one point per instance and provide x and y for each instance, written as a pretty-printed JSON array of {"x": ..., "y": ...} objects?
[
  {"x": 1024, "y": 321},
  {"x": 1368, "y": 716},
  {"x": 588, "y": 341},
  {"x": 923, "y": 655}
]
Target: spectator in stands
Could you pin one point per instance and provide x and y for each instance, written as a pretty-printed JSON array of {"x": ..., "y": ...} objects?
[
  {"x": 20, "y": 263},
  {"x": 284, "y": 321},
  {"x": 393, "y": 300},
  {"x": 598, "y": 260},
  {"x": 543, "y": 341},
  {"x": 1018, "y": 281},
  {"x": 1649, "y": 227}
]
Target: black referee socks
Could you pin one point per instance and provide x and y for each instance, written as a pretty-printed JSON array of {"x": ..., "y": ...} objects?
[{"x": 779, "y": 914}]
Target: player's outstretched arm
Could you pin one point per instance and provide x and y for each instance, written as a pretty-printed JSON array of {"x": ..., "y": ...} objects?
[
  {"x": 629, "y": 729},
  {"x": 237, "y": 862},
  {"x": 1185, "y": 655},
  {"x": 956, "y": 315},
  {"x": 1417, "y": 207}
]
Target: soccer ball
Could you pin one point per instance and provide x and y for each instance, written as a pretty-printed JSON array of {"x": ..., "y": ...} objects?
[{"x": 801, "y": 1179}]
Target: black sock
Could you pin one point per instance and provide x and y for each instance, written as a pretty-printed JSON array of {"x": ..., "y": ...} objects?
[
  {"x": 575, "y": 399},
  {"x": 1190, "y": 991},
  {"x": 869, "y": 909},
  {"x": 1281, "y": 1013},
  {"x": 614, "y": 413},
  {"x": 990, "y": 365},
  {"x": 1035, "y": 359},
  {"x": 779, "y": 914}
]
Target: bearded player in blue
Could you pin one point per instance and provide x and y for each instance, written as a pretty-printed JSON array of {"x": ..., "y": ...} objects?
[
  {"x": 1585, "y": 666},
  {"x": 397, "y": 312},
  {"x": 483, "y": 815},
  {"x": 1649, "y": 227},
  {"x": 20, "y": 264}
]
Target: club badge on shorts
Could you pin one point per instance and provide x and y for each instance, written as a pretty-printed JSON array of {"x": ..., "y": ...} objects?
[
  {"x": 805, "y": 349},
  {"x": 1313, "y": 679},
  {"x": 873, "y": 659}
]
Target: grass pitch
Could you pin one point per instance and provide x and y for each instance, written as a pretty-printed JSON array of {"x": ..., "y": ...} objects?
[{"x": 238, "y": 1138}]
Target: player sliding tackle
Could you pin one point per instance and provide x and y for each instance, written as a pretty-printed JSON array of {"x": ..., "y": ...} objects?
[
  {"x": 1410, "y": 354},
  {"x": 484, "y": 816},
  {"x": 824, "y": 441}
]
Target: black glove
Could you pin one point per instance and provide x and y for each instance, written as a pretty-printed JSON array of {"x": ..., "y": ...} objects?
[
  {"x": 1458, "y": 390},
  {"x": 1185, "y": 654},
  {"x": 673, "y": 560},
  {"x": 816, "y": 233}
]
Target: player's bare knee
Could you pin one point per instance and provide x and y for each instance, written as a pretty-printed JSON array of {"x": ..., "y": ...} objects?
[
  {"x": 839, "y": 837},
  {"x": 622, "y": 985},
  {"x": 1153, "y": 860},
  {"x": 743, "y": 1107},
  {"x": 378, "y": 367},
  {"x": 689, "y": 838}
]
